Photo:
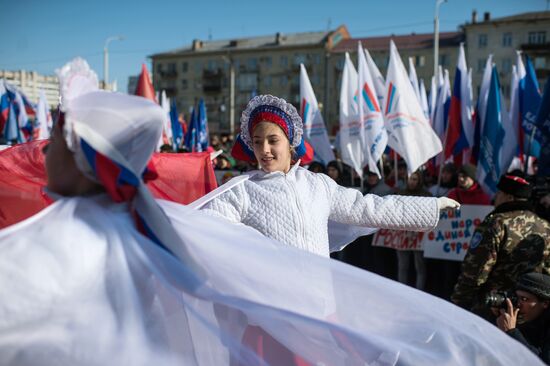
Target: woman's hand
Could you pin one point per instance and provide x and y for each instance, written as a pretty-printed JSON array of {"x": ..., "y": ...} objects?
[
  {"x": 445, "y": 203},
  {"x": 508, "y": 319}
]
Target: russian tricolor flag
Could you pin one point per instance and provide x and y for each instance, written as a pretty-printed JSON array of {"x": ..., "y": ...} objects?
[{"x": 460, "y": 133}]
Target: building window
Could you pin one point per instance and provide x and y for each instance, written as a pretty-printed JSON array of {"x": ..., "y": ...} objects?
[
  {"x": 267, "y": 81},
  {"x": 198, "y": 66},
  {"x": 507, "y": 39},
  {"x": 480, "y": 65},
  {"x": 159, "y": 68},
  {"x": 252, "y": 63},
  {"x": 184, "y": 85},
  {"x": 267, "y": 61},
  {"x": 171, "y": 67},
  {"x": 444, "y": 60},
  {"x": 537, "y": 37},
  {"x": 506, "y": 65},
  {"x": 315, "y": 79},
  {"x": 540, "y": 63},
  {"x": 419, "y": 61},
  {"x": 212, "y": 65},
  {"x": 283, "y": 80},
  {"x": 299, "y": 59},
  {"x": 506, "y": 89},
  {"x": 316, "y": 59},
  {"x": 340, "y": 63},
  {"x": 184, "y": 67},
  {"x": 284, "y": 61},
  {"x": 482, "y": 41}
]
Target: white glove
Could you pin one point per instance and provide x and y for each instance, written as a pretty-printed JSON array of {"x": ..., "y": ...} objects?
[{"x": 445, "y": 203}]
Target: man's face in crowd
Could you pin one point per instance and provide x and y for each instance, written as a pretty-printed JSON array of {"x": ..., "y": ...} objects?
[
  {"x": 530, "y": 306},
  {"x": 464, "y": 181}
]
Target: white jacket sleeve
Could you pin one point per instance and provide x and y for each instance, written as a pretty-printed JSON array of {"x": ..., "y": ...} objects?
[
  {"x": 230, "y": 204},
  {"x": 410, "y": 213}
]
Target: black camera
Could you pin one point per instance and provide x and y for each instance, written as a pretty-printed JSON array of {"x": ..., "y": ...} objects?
[{"x": 498, "y": 299}]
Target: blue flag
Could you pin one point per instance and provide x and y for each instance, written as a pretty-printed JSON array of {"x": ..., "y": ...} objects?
[
  {"x": 543, "y": 126},
  {"x": 177, "y": 131},
  {"x": 192, "y": 129},
  {"x": 489, "y": 169},
  {"x": 529, "y": 102},
  {"x": 202, "y": 141}
]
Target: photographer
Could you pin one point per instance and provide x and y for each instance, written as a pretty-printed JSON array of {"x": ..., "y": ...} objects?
[{"x": 529, "y": 323}]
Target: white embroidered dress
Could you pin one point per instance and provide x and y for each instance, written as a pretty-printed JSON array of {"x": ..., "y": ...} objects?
[{"x": 295, "y": 208}]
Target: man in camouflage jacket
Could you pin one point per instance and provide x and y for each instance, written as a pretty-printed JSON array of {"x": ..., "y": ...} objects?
[{"x": 511, "y": 241}]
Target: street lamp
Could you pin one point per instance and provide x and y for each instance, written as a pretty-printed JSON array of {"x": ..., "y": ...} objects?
[
  {"x": 106, "y": 58},
  {"x": 229, "y": 60},
  {"x": 436, "y": 34}
]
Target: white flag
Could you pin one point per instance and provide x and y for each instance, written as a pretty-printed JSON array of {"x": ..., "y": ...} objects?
[
  {"x": 351, "y": 129},
  {"x": 411, "y": 135},
  {"x": 377, "y": 78},
  {"x": 315, "y": 131},
  {"x": 165, "y": 104},
  {"x": 441, "y": 112},
  {"x": 424, "y": 100},
  {"x": 370, "y": 115},
  {"x": 413, "y": 78},
  {"x": 518, "y": 73},
  {"x": 43, "y": 117}
]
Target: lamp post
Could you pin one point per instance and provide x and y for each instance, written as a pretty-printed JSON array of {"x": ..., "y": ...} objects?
[
  {"x": 436, "y": 34},
  {"x": 229, "y": 60},
  {"x": 106, "y": 58}
]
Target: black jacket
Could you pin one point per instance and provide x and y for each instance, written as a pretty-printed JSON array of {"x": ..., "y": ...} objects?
[{"x": 535, "y": 335}]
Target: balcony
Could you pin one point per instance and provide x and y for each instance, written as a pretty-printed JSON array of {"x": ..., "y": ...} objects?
[
  {"x": 212, "y": 81},
  {"x": 168, "y": 74}
]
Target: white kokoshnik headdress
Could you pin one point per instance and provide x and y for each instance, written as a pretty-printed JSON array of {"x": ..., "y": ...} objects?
[{"x": 272, "y": 109}]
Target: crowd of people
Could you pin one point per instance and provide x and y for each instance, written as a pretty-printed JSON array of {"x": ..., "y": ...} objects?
[{"x": 108, "y": 274}]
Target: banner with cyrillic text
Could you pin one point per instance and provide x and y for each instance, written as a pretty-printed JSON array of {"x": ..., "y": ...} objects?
[
  {"x": 399, "y": 240},
  {"x": 451, "y": 238}
]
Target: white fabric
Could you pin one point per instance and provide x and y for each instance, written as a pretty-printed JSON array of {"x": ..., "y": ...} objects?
[
  {"x": 352, "y": 134},
  {"x": 370, "y": 115},
  {"x": 315, "y": 131},
  {"x": 411, "y": 135},
  {"x": 75, "y": 78},
  {"x": 80, "y": 286},
  {"x": 466, "y": 110},
  {"x": 43, "y": 117},
  {"x": 294, "y": 208},
  {"x": 377, "y": 78},
  {"x": 414, "y": 79}
]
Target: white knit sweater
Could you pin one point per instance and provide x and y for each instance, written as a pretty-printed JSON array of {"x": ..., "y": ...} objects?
[{"x": 294, "y": 208}]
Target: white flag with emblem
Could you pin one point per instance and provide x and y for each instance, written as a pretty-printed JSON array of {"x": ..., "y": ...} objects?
[
  {"x": 315, "y": 131},
  {"x": 410, "y": 133},
  {"x": 370, "y": 115},
  {"x": 351, "y": 129}
]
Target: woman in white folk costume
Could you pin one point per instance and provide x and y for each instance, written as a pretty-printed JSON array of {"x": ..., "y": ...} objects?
[
  {"x": 81, "y": 285},
  {"x": 293, "y": 205}
]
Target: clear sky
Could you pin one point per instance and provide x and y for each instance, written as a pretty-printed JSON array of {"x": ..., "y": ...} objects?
[{"x": 41, "y": 35}]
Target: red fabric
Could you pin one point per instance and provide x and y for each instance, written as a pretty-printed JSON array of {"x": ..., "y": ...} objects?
[
  {"x": 269, "y": 349},
  {"x": 453, "y": 129},
  {"x": 182, "y": 178},
  {"x": 271, "y": 117},
  {"x": 145, "y": 86},
  {"x": 472, "y": 196}
]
